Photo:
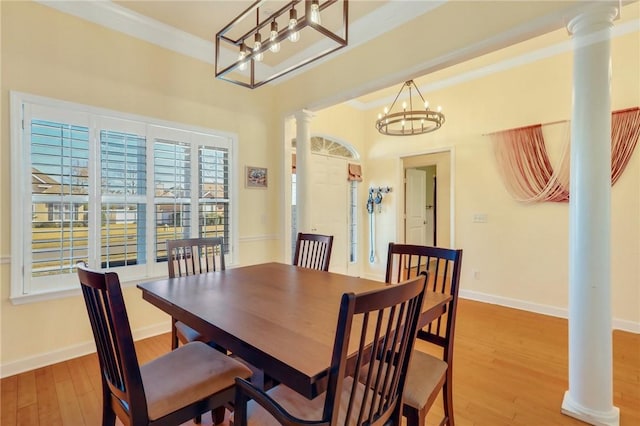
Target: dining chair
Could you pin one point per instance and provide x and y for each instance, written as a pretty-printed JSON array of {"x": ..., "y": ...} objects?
[
  {"x": 375, "y": 333},
  {"x": 191, "y": 256},
  {"x": 313, "y": 251},
  {"x": 429, "y": 374},
  {"x": 169, "y": 390}
]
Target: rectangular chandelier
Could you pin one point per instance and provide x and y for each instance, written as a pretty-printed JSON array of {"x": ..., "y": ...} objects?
[{"x": 272, "y": 38}]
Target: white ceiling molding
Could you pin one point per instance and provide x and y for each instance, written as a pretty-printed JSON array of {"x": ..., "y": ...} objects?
[
  {"x": 118, "y": 18},
  {"x": 121, "y": 19},
  {"x": 527, "y": 58},
  {"x": 385, "y": 18}
]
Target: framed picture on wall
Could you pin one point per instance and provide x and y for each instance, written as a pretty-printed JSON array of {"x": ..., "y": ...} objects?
[{"x": 255, "y": 177}]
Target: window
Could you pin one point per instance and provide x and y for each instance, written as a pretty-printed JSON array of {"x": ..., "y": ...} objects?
[
  {"x": 353, "y": 221},
  {"x": 110, "y": 189}
]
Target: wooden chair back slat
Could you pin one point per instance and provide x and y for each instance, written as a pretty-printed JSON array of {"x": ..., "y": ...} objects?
[
  {"x": 385, "y": 324},
  {"x": 382, "y": 325},
  {"x": 191, "y": 256},
  {"x": 313, "y": 251},
  {"x": 114, "y": 341},
  {"x": 443, "y": 265}
]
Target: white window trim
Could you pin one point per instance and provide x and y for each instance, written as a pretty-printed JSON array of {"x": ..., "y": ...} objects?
[{"x": 18, "y": 199}]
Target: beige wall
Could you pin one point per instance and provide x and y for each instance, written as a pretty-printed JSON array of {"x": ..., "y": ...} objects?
[
  {"x": 51, "y": 54},
  {"x": 521, "y": 253}
]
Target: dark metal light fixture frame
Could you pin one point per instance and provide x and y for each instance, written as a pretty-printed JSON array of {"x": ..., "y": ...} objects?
[
  {"x": 409, "y": 121},
  {"x": 223, "y": 72}
]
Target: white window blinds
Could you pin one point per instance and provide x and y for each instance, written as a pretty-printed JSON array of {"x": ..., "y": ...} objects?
[{"x": 109, "y": 188}]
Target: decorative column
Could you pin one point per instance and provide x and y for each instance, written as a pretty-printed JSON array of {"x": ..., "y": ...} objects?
[
  {"x": 303, "y": 176},
  {"x": 590, "y": 394}
]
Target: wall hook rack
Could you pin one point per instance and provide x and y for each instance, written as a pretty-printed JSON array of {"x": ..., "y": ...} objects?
[{"x": 375, "y": 197}]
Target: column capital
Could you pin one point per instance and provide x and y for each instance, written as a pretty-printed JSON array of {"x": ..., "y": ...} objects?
[
  {"x": 594, "y": 18},
  {"x": 304, "y": 115}
]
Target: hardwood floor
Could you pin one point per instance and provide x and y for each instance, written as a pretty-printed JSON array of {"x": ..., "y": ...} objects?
[{"x": 510, "y": 369}]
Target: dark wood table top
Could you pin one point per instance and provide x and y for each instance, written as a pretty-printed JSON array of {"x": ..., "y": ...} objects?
[{"x": 279, "y": 317}]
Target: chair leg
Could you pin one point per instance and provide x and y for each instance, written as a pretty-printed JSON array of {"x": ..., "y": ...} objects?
[
  {"x": 411, "y": 414},
  {"x": 108, "y": 415},
  {"x": 447, "y": 400},
  {"x": 174, "y": 334},
  {"x": 198, "y": 419},
  {"x": 217, "y": 414}
]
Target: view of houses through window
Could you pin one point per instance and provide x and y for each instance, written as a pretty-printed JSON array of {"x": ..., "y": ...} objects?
[{"x": 114, "y": 196}]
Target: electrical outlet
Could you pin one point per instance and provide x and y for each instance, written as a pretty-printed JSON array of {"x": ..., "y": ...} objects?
[
  {"x": 476, "y": 274},
  {"x": 480, "y": 218}
]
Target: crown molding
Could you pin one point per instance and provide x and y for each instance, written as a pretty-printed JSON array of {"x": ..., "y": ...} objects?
[
  {"x": 121, "y": 19},
  {"x": 126, "y": 21},
  {"x": 504, "y": 65},
  {"x": 385, "y": 18}
]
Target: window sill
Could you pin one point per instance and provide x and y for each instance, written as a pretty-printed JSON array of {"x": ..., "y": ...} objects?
[{"x": 74, "y": 291}]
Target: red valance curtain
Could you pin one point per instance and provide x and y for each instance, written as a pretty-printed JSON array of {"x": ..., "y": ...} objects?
[{"x": 524, "y": 165}]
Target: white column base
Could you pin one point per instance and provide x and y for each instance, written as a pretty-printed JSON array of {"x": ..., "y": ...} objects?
[{"x": 596, "y": 418}]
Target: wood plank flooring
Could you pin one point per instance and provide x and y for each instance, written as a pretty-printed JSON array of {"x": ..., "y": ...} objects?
[{"x": 510, "y": 368}]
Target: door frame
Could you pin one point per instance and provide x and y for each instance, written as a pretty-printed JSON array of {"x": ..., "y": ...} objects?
[{"x": 400, "y": 225}]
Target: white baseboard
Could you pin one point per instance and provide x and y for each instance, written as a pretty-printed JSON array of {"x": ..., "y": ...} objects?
[
  {"x": 596, "y": 418},
  {"x": 70, "y": 352},
  {"x": 554, "y": 311}
]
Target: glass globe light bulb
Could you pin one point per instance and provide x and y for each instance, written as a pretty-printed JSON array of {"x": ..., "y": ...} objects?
[
  {"x": 241, "y": 57},
  {"x": 315, "y": 12},
  {"x": 275, "y": 46},
  {"x": 256, "y": 47},
  {"x": 293, "y": 21},
  {"x": 426, "y": 104}
]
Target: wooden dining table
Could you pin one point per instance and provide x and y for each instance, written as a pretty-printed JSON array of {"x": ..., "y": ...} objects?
[{"x": 280, "y": 318}]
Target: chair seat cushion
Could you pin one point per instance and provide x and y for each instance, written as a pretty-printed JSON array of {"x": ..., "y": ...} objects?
[
  {"x": 301, "y": 407},
  {"x": 188, "y": 374},
  {"x": 425, "y": 376},
  {"x": 187, "y": 334}
]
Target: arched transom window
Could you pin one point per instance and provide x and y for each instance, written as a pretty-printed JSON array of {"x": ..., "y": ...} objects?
[{"x": 331, "y": 147}]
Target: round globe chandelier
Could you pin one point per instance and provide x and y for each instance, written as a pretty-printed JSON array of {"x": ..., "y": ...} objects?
[{"x": 407, "y": 121}]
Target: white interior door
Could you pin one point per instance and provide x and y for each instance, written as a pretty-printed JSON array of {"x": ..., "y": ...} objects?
[
  {"x": 329, "y": 206},
  {"x": 415, "y": 207}
]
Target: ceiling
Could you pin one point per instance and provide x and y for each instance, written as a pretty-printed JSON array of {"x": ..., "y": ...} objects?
[
  {"x": 205, "y": 18},
  {"x": 494, "y": 31}
]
